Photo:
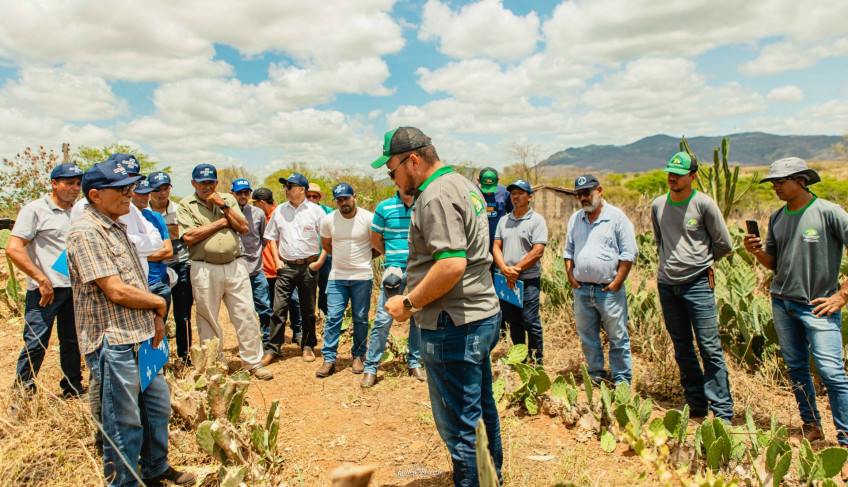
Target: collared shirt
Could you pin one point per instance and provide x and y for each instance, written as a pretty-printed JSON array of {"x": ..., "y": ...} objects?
[
  {"x": 296, "y": 230},
  {"x": 223, "y": 246},
  {"x": 99, "y": 247},
  {"x": 46, "y": 227},
  {"x": 518, "y": 236},
  {"x": 449, "y": 220},
  {"x": 391, "y": 220},
  {"x": 254, "y": 240},
  {"x": 170, "y": 217},
  {"x": 351, "y": 240},
  {"x": 597, "y": 247}
]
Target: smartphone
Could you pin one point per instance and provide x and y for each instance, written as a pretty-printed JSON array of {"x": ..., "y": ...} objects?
[{"x": 753, "y": 229}]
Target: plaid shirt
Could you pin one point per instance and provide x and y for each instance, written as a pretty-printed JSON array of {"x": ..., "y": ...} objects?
[{"x": 99, "y": 247}]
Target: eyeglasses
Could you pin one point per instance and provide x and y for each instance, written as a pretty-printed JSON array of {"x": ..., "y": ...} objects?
[
  {"x": 583, "y": 193},
  {"x": 126, "y": 190},
  {"x": 392, "y": 172}
]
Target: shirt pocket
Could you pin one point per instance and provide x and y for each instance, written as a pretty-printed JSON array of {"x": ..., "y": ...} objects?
[
  {"x": 608, "y": 250},
  {"x": 123, "y": 258}
]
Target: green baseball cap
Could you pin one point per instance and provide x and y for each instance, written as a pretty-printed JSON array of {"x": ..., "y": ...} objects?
[
  {"x": 488, "y": 180},
  {"x": 680, "y": 164},
  {"x": 400, "y": 140}
]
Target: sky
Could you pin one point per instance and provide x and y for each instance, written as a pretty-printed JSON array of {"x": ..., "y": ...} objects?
[{"x": 267, "y": 82}]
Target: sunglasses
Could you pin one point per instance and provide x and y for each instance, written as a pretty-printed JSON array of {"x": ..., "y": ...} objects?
[
  {"x": 583, "y": 193},
  {"x": 291, "y": 185},
  {"x": 392, "y": 172},
  {"x": 244, "y": 192},
  {"x": 313, "y": 196}
]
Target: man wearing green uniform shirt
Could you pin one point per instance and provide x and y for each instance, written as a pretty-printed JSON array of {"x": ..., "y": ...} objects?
[{"x": 450, "y": 293}]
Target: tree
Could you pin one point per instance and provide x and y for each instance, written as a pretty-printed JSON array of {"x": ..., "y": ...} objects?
[
  {"x": 524, "y": 157},
  {"x": 89, "y": 156},
  {"x": 25, "y": 178},
  {"x": 227, "y": 175},
  {"x": 841, "y": 148},
  {"x": 273, "y": 183}
]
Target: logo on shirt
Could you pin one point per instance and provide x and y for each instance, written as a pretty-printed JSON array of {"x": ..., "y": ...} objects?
[
  {"x": 478, "y": 203},
  {"x": 810, "y": 235},
  {"x": 692, "y": 224}
]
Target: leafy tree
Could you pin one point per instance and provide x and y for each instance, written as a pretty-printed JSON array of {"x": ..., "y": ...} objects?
[
  {"x": 227, "y": 175},
  {"x": 649, "y": 183},
  {"x": 89, "y": 156},
  {"x": 273, "y": 183},
  {"x": 24, "y": 178},
  {"x": 369, "y": 190}
]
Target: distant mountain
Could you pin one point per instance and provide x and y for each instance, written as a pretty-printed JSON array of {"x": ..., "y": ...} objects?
[{"x": 749, "y": 149}]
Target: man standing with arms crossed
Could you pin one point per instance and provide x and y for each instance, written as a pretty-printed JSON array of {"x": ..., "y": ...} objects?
[
  {"x": 600, "y": 249},
  {"x": 451, "y": 295},
  {"x": 37, "y": 241},
  {"x": 804, "y": 246},
  {"x": 210, "y": 225},
  {"x": 389, "y": 234},
  {"x": 691, "y": 236}
]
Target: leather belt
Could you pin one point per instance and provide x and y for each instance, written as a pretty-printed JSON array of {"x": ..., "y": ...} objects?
[{"x": 307, "y": 260}]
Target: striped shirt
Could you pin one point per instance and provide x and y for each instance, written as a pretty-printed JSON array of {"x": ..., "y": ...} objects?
[
  {"x": 391, "y": 219},
  {"x": 99, "y": 247}
]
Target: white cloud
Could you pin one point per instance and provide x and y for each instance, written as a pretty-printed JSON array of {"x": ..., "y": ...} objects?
[
  {"x": 19, "y": 130},
  {"x": 824, "y": 118},
  {"x": 484, "y": 28},
  {"x": 786, "y": 94},
  {"x": 789, "y": 56}
]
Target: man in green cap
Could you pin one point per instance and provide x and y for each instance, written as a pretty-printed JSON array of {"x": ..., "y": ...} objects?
[
  {"x": 451, "y": 294},
  {"x": 691, "y": 236},
  {"x": 498, "y": 203}
]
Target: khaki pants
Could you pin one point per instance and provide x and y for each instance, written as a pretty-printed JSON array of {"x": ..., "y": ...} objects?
[{"x": 212, "y": 282}]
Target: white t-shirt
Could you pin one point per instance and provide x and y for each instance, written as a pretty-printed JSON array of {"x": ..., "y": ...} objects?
[{"x": 351, "y": 244}]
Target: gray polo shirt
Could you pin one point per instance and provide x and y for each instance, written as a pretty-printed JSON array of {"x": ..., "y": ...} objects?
[
  {"x": 690, "y": 236},
  {"x": 46, "y": 227},
  {"x": 254, "y": 240},
  {"x": 449, "y": 220},
  {"x": 519, "y": 236},
  {"x": 807, "y": 245}
]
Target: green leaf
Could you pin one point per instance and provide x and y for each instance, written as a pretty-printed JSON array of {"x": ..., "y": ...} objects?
[
  {"x": 832, "y": 459},
  {"x": 656, "y": 425},
  {"x": 781, "y": 468},
  {"x": 776, "y": 448},
  {"x": 621, "y": 415},
  {"x": 645, "y": 410},
  {"x": 498, "y": 388},
  {"x": 559, "y": 388},
  {"x": 572, "y": 395},
  {"x": 684, "y": 425},
  {"x": 531, "y": 405},
  {"x": 714, "y": 454},
  {"x": 752, "y": 430},
  {"x": 516, "y": 354},
  {"x": 4, "y": 238},
  {"x": 388, "y": 356},
  {"x": 698, "y": 441},
  {"x": 708, "y": 435},
  {"x": 525, "y": 372},
  {"x": 272, "y": 413},
  {"x": 587, "y": 383},
  {"x": 633, "y": 417},
  {"x": 607, "y": 441},
  {"x": 543, "y": 382},
  {"x": 622, "y": 393},
  {"x": 204, "y": 437},
  {"x": 671, "y": 421}
]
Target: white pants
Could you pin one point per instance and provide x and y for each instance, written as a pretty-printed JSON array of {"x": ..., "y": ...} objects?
[{"x": 212, "y": 282}]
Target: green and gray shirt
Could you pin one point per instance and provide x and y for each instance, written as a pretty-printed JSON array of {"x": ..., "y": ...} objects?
[
  {"x": 807, "y": 245},
  {"x": 690, "y": 236},
  {"x": 449, "y": 220}
]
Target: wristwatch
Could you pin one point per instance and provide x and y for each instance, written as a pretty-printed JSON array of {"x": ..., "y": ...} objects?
[
  {"x": 408, "y": 305},
  {"x": 224, "y": 206}
]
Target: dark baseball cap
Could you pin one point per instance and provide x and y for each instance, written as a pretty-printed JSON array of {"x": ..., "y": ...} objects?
[
  {"x": 144, "y": 188},
  {"x": 107, "y": 174},
  {"x": 129, "y": 162},
  {"x": 263, "y": 194},
  {"x": 342, "y": 190},
  {"x": 488, "y": 180},
  {"x": 158, "y": 178},
  {"x": 66, "y": 170},
  {"x": 586, "y": 181},
  {"x": 296, "y": 178},
  {"x": 400, "y": 140},
  {"x": 520, "y": 184},
  {"x": 204, "y": 172}
]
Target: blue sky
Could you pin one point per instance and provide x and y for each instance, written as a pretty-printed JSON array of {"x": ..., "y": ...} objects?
[{"x": 270, "y": 82}]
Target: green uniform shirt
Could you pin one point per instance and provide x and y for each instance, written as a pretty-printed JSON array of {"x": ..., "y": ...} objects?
[
  {"x": 449, "y": 220},
  {"x": 221, "y": 247},
  {"x": 807, "y": 245}
]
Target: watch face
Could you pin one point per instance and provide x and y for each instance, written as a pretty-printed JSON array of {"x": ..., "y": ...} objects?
[{"x": 407, "y": 303}]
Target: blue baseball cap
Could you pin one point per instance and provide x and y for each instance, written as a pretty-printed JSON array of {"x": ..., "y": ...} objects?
[
  {"x": 129, "y": 162},
  {"x": 522, "y": 185},
  {"x": 240, "y": 184},
  {"x": 158, "y": 178},
  {"x": 144, "y": 188},
  {"x": 342, "y": 190},
  {"x": 587, "y": 181},
  {"x": 204, "y": 172},
  {"x": 66, "y": 170},
  {"x": 296, "y": 178},
  {"x": 107, "y": 174}
]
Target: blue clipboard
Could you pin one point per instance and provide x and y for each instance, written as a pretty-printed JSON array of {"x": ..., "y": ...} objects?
[
  {"x": 61, "y": 264},
  {"x": 151, "y": 360},
  {"x": 513, "y": 296}
]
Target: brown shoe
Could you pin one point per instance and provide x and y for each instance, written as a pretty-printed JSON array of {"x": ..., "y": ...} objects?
[
  {"x": 268, "y": 359},
  {"x": 308, "y": 354},
  {"x": 418, "y": 373},
  {"x": 811, "y": 431},
  {"x": 326, "y": 369},
  {"x": 358, "y": 366},
  {"x": 261, "y": 373},
  {"x": 171, "y": 475},
  {"x": 368, "y": 380}
]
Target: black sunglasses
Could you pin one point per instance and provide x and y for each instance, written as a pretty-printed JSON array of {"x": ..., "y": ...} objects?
[
  {"x": 583, "y": 193},
  {"x": 392, "y": 172}
]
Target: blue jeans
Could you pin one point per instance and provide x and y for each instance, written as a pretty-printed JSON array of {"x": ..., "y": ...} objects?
[
  {"x": 262, "y": 303},
  {"x": 800, "y": 332},
  {"x": 593, "y": 307},
  {"x": 339, "y": 292},
  {"x": 691, "y": 309},
  {"x": 525, "y": 322},
  {"x": 136, "y": 422},
  {"x": 92, "y": 361},
  {"x": 380, "y": 333},
  {"x": 163, "y": 290},
  {"x": 459, "y": 377},
  {"x": 38, "y": 324},
  {"x": 182, "y": 297}
]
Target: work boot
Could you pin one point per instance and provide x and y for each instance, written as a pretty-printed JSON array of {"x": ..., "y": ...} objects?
[
  {"x": 326, "y": 369},
  {"x": 308, "y": 354},
  {"x": 358, "y": 366},
  {"x": 809, "y": 431},
  {"x": 368, "y": 380},
  {"x": 268, "y": 359},
  {"x": 171, "y": 475},
  {"x": 418, "y": 373},
  {"x": 261, "y": 373}
]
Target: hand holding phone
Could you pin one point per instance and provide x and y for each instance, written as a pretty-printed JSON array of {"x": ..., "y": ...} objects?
[{"x": 753, "y": 229}]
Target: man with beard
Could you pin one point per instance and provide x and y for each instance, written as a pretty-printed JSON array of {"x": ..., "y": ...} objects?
[
  {"x": 210, "y": 225},
  {"x": 691, "y": 236},
  {"x": 520, "y": 240},
  {"x": 346, "y": 235},
  {"x": 451, "y": 294},
  {"x": 37, "y": 242},
  {"x": 600, "y": 249}
]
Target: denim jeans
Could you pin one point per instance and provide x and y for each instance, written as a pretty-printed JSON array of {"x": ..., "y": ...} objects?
[
  {"x": 592, "y": 307},
  {"x": 380, "y": 333},
  {"x": 459, "y": 378},
  {"x": 800, "y": 332},
  {"x": 262, "y": 303},
  {"x": 323, "y": 277},
  {"x": 690, "y": 309},
  {"x": 92, "y": 361},
  {"x": 136, "y": 422},
  {"x": 524, "y": 323},
  {"x": 38, "y": 324},
  {"x": 339, "y": 292},
  {"x": 289, "y": 278},
  {"x": 295, "y": 321},
  {"x": 163, "y": 290},
  {"x": 182, "y": 297}
]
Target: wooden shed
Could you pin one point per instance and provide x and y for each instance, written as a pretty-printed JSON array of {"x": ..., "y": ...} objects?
[{"x": 555, "y": 203}]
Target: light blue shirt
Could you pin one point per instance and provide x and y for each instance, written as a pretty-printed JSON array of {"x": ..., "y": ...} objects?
[{"x": 596, "y": 248}]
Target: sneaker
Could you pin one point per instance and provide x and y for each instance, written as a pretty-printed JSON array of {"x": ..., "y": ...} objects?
[
  {"x": 261, "y": 373},
  {"x": 174, "y": 476}
]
